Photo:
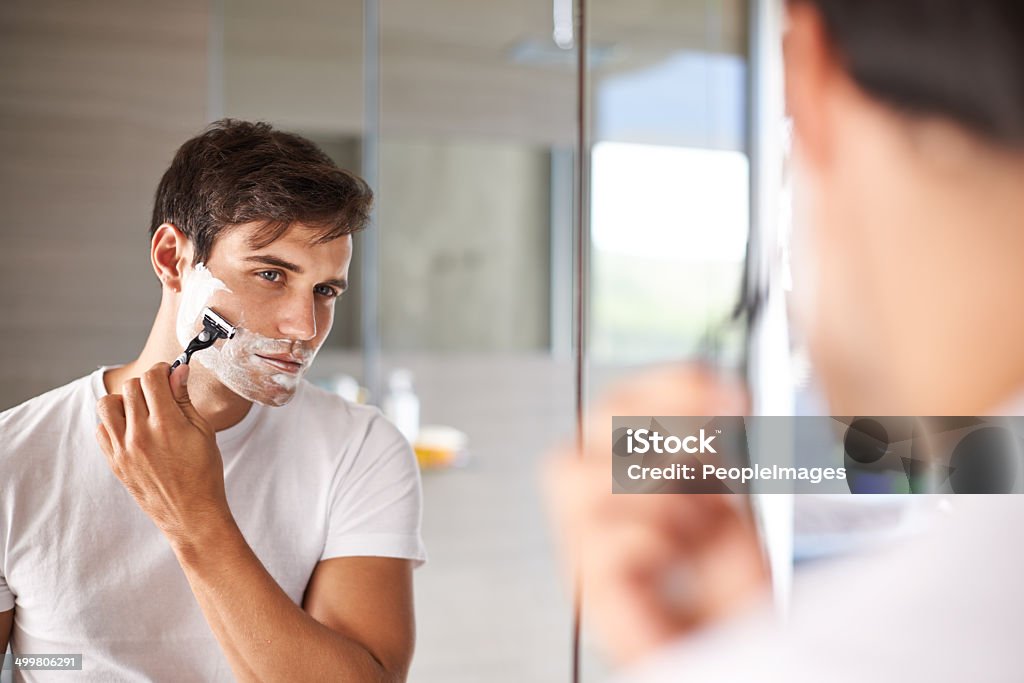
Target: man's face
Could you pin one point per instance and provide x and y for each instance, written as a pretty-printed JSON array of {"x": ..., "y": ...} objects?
[{"x": 280, "y": 298}]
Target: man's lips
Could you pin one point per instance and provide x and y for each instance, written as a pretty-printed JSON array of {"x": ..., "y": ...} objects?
[{"x": 284, "y": 363}]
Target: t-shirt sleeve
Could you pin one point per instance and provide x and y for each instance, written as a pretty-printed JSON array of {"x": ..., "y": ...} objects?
[
  {"x": 6, "y": 596},
  {"x": 376, "y": 503}
]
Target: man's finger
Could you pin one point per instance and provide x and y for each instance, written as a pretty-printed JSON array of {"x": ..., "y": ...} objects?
[
  {"x": 179, "y": 389},
  {"x": 110, "y": 410},
  {"x": 109, "y": 449},
  {"x": 103, "y": 439},
  {"x": 630, "y": 547},
  {"x": 156, "y": 388},
  {"x": 135, "y": 410},
  {"x": 588, "y": 483}
]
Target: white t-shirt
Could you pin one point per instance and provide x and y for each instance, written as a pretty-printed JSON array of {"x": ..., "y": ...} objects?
[
  {"x": 943, "y": 606},
  {"x": 87, "y": 572}
]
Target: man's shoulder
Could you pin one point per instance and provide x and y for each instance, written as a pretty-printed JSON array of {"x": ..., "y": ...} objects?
[
  {"x": 50, "y": 411},
  {"x": 318, "y": 411},
  {"x": 312, "y": 400}
]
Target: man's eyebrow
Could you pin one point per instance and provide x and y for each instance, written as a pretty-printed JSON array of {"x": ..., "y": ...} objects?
[
  {"x": 268, "y": 260},
  {"x": 340, "y": 283}
]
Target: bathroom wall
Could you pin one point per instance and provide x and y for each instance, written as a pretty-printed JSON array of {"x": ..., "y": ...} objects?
[{"x": 94, "y": 99}]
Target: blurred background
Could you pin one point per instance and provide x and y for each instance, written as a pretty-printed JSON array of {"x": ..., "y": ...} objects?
[{"x": 502, "y": 139}]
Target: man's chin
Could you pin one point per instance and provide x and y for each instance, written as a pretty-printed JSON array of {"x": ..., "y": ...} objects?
[
  {"x": 266, "y": 393},
  {"x": 275, "y": 400},
  {"x": 274, "y": 391}
]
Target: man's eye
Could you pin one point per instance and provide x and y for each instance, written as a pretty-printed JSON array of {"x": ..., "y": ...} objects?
[
  {"x": 324, "y": 290},
  {"x": 269, "y": 275}
]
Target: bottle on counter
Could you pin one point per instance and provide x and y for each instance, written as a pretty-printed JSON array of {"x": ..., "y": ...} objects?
[{"x": 401, "y": 405}]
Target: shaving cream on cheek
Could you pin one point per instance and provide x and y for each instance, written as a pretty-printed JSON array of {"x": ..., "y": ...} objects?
[
  {"x": 238, "y": 366},
  {"x": 196, "y": 289}
]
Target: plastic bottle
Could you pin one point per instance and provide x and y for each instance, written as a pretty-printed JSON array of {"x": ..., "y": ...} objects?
[{"x": 401, "y": 405}]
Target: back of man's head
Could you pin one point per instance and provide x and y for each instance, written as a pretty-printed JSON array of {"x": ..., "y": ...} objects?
[
  {"x": 908, "y": 158},
  {"x": 239, "y": 172},
  {"x": 962, "y": 60}
]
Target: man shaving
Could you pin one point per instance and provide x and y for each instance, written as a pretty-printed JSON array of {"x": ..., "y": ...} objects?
[{"x": 226, "y": 520}]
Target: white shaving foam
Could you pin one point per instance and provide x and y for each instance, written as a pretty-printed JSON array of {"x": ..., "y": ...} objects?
[
  {"x": 238, "y": 366},
  {"x": 196, "y": 289},
  {"x": 235, "y": 362}
]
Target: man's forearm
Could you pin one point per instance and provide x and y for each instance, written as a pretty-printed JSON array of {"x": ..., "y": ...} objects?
[
  {"x": 6, "y": 625},
  {"x": 264, "y": 635}
]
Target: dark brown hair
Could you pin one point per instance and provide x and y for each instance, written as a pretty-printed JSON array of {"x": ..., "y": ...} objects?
[
  {"x": 238, "y": 172},
  {"x": 958, "y": 59}
]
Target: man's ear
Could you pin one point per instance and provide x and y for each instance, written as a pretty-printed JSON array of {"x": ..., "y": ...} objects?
[
  {"x": 171, "y": 252},
  {"x": 811, "y": 68}
]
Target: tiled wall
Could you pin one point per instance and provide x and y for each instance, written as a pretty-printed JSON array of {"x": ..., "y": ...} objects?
[{"x": 94, "y": 99}]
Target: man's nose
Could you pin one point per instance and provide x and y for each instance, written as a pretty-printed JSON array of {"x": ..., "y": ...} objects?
[{"x": 298, "y": 319}]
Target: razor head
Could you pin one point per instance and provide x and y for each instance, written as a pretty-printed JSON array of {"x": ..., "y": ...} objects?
[
  {"x": 217, "y": 325},
  {"x": 214, "y": 327}
]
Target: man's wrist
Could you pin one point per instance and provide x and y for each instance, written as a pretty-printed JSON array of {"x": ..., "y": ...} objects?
[{"x": 208, "y": 532}]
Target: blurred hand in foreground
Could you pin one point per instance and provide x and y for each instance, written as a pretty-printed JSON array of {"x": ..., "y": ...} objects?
[{"x": 653, "y": 566}]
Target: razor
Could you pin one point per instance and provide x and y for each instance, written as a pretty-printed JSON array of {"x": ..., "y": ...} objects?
[{"x": 214, "y": 327}]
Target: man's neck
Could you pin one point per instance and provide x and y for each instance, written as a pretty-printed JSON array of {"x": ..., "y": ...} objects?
[{"x": 220, "y": 406}]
